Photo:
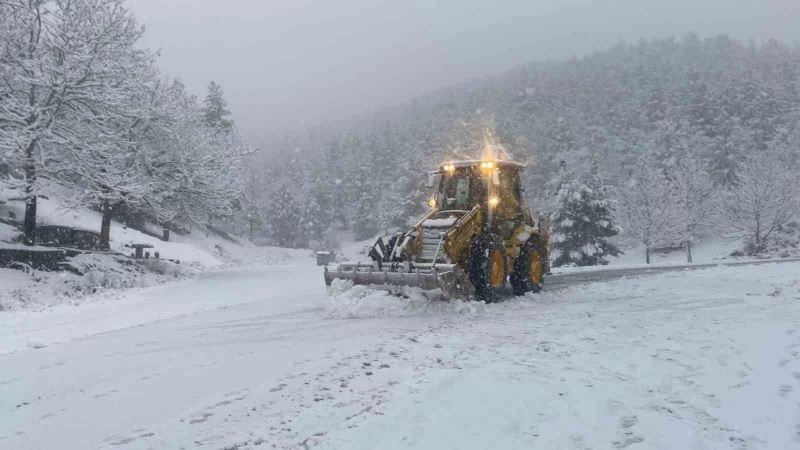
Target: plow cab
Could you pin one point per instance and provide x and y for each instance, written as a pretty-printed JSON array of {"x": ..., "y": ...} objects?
[{"x": 477, "y": 240}]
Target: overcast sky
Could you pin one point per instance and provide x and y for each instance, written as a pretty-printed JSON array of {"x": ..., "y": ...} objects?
[{"x": 289, "y": 63}]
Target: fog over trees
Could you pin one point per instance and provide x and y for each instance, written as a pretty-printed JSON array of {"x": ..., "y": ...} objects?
[{"x": 680, "y": 122}]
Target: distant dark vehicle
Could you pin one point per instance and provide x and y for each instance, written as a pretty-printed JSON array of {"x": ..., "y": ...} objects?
[
  {"x": 324, "y": 258},
  {"x": 61, "y": 236}
]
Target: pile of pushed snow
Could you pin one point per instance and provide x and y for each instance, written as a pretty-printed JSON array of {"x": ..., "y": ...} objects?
[
  {"x": 348, "y": 301},
  {"x": 7, "y": 232}
]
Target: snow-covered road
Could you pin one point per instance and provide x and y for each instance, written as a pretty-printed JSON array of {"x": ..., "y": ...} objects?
[{"x": 700, "y": 359}]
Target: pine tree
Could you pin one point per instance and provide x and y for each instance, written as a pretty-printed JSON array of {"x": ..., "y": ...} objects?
[
  {"x": 314, "y": 223},
  {"x": 365, "y": 222},
  {"x": 285, "y": 218},
  {"x": 215, "y": 109},
  {"x": 584, "y": 222}
]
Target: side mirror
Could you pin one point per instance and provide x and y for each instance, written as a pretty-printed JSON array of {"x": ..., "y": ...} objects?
[{"x": 431, "y": 180}]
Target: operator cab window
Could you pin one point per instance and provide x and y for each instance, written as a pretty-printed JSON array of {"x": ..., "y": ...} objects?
[
  {"x": 455, "y": 190},
  {"x": 462, "y": 190}
]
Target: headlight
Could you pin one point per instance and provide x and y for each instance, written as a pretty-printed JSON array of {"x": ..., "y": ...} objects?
[
  {"x": 494, "y": 201},
  {"x": 449, "y": 168},
  {"x": 432, "y": 203},
  {"x": 487, "y": 165}
]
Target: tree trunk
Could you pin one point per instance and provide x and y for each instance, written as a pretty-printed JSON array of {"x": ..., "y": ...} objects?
[
  {"x": 647, "y": 254},
  {"x": 758, "y": 243},
  {"x": 689, "y": 252},
  {"x": 105, "y": 227},
  {"x": 29, "y": 226}
]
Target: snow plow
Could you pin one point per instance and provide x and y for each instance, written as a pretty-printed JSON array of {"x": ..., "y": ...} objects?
[{"x": 477, "y": 240}]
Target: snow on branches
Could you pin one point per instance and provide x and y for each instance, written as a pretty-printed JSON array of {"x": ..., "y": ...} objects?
[
  {"x": 765, "y": 198},
  {"x": 692, "y": 198},
  {"x": 83, "y": 107},
  {"x": 584, "y": 221},
  {"x": 646, "y": 205}
]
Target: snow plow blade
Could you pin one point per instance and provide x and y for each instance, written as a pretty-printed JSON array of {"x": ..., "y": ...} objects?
[{"x": 424, "y": 276}]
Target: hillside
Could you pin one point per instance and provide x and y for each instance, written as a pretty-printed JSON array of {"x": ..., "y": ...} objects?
[
  {"x": 715, "y": 101},
  {"x": 104, "y": 274}
]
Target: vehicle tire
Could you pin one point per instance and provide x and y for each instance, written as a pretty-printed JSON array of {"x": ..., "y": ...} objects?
[
  {"x": 529, "y": 267},
  {"x": 487, "y": 267}
]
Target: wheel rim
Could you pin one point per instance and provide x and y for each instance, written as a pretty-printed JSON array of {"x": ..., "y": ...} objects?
[
  {"x": 496, "y": 269},
  {"x": 535, "y": 267}
]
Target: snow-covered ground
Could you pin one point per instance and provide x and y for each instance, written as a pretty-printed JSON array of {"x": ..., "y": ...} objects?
[
  {"x": 197, "y": 248},
  {"x": 105, "y": 276},
  {"x": 709, "y": 251},
  {"x": 264, "y": 358}
]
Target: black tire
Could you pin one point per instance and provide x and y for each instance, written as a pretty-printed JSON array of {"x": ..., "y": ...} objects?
[
  {"x": 483, "y": 274},
  {"x": 526, "y": 278}
]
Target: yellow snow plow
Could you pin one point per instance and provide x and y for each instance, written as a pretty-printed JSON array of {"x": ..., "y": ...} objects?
[{"x": 477, "y": 239}]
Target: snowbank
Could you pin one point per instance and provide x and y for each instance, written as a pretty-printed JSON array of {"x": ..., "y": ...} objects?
[
  {"x": 7, "y": 232},
  {"x": 711, "y": 251},
  {"x": 196, "y": 253},
  {"x": 104, "y": 277},
  {"x": 200, "y": 248}
]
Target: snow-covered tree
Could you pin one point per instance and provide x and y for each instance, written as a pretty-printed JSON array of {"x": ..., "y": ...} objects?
[
  {"x": 584, "y": 222},
  {"x": 100, "y": 144},
  {"x": 728, "y": 150},
  {"x": 646, "y": 205},
  {"x": 285, "y": 219},
  {"x": 196, "y": 170},
  {"x": 63, "y": 63},
  {"x": 215, "y": 109},
  {"x": 765, "y": 198},
  {"x": 693, "y": 196}
]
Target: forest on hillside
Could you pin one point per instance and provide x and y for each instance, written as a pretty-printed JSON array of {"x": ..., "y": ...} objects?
[{"x": 637, "y": 118}]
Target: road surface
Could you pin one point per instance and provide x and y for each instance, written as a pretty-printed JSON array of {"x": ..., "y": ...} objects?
[{"x": 256, "y": 357}]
